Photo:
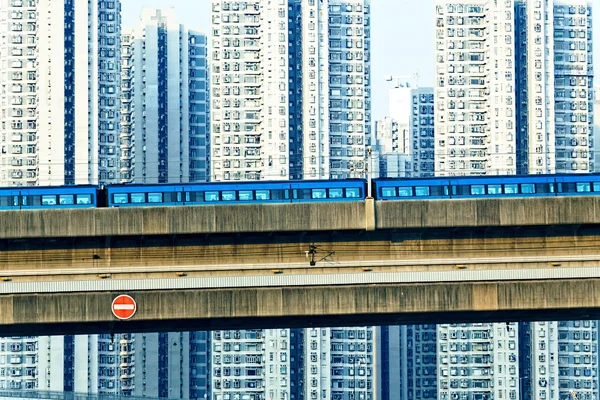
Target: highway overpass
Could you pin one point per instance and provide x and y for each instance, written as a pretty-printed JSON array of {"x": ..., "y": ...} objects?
[
  {"x": 375, "y": 262},
  {"x": 72, "y": 307}
]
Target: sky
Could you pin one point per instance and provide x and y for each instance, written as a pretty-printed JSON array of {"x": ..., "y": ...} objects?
[{"x": 402, "y": 38}]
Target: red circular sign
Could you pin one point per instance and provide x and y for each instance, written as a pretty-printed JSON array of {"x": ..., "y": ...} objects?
[{"x": 124, "y": 307}]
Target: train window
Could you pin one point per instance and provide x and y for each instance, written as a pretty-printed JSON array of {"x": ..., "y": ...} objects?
[
  {"x": 171, "y": 197},
  {"x": 405, "y": 192},
  {"x": 155, "y": 197},
  {"x": 138, "y": 197},
  {"x": 261, "y": 195},
  {"x": 544, "y": 187},
  {"x": 120, "y": 198},
  {"x": 302, "y": 193},
  {"x": 31, "y": 200},
  {"x": 584, "y": 187},
  {"x": 494, "y": 189},
  {"x": 422, "y": 190},
  {"x": 66, "y": 199},
  {"x": 84, "y": 199},
  {"x": 279, "y": 194},
  {"x": 319, "y": 193},
  {"x": 438, "y": 190},
  {"x": 352, "y": 193},
  {"x": 596, "y": 186},
  {"x": 6, "y": 201},
  {"x": 477, "y": 189},
  {"x": 461, "y": 190},
  {"x": 245, "y": 195},
  {"x": 228, "y": 195},
  {"x": 336, "y": 193},
  {"x": 211, "y": 196},
  {"x": 511, "y": 188},
  {"x": 388, "y": 191},
  {"x": 527, "y": 188},
  {"x": 48, "y": 200},
  {"x": 194, "y": 197}
]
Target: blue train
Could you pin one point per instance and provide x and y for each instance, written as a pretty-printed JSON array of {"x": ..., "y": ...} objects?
[{"x": 132, "y": 195}]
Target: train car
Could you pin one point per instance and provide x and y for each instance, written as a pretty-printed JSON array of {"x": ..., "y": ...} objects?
[
  {"x": 51, "y": 197},
  {"x": 502, "y": 186},
  {"x": 235, "y": 193},
  {"x": 578, "y": 185},
  {"x": 411, "y": 189}
]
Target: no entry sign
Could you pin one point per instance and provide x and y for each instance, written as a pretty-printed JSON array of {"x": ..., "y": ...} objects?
[{"x": 124, "y": 307}]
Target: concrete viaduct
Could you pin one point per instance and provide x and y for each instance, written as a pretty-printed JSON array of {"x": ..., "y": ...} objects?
[{"x": 219, "y": 267}]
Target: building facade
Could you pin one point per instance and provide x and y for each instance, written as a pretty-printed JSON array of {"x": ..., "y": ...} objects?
[
  {"x": 311, "y": 363},
  {"x": 60, "y": 92},
  {"x": 290, "y": 88},
  {"x": 165, "y": 98},
  {"x": 524, "y": 106}
]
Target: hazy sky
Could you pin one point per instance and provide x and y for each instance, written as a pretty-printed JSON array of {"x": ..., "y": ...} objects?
[{"x": 402, "y": 37}]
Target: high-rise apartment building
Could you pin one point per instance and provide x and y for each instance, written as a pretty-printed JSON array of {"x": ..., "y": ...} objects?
[
  {"x": 555, "y": 86},
  {"x": 475, "y": 87},
  {"x": 556, "y": 357},
  {"x": 164, "y": 104},
  {"x": 311, "y": 363},
  {"x": 596, "y": 117},
  {"x": 513, "y": 87},
  {"x": 60, "y": 79},
  {"x": 290, "y": 88}
]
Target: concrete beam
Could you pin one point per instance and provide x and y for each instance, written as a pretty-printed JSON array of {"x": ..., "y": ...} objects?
[
  {"x": 299, "y": 217},
  {"x": 182, "y": 220},
  {"x": 537, "y": 211},
  {"x": 78, "y": 313}
]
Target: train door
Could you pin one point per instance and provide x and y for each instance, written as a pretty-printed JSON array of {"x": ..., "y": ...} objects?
[
  {"x": 560, "y": 182},
  {"x": 15, "y": 200}
]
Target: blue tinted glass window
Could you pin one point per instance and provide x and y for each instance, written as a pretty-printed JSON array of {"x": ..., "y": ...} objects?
[
  {"x": 319, "y": 193},
  {"x": 120, "y": 198},
  {"x": 353, "y": 193},
  {"x": 155, "y": 197},
  {"x": 263, "y": 195},
  {"x": 138, "y": 197},
  {"x": 336, "y": 193},
  {"x": 49, "y": 200},
  {"x": 405, "y": 192},
  {"x": 245, "y": 195},
  {"x": 477, "y": 189},
  {"x": 596, "y": 186},
  {"x": 84, "y": 199},
  {"x": 66, "y": 199},
  {"x": 228, "y": 195},
  {"x": 494, "y": 189},
  {"x": 422, "y": 190},
  {"x": 513, "y": 188},
  {"x": 388, "y": 191},
  {"x": 583, "y": 187},
  {"x": 528, "y": 188},
  {"x": 211, "y": 196}
]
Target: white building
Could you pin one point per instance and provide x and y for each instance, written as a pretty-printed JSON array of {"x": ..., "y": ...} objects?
[
  {"x": 290, "y": 88},
  {"x": 597, "y": 129},
  {"x": 311, "y": 363},
  {"x": 164, "y": 112},
  {"x": 60, "y": 92},
  {"x": 475, "y": 88},
  {"x": 555, "y": 88},
  {"x": 539, "y": 68}
]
